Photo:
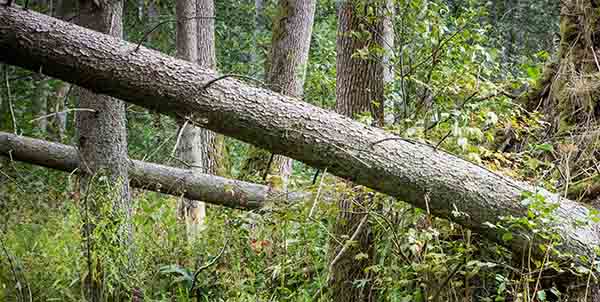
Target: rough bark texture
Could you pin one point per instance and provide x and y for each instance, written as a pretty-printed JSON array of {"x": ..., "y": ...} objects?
[
  {"x": 359, "y": 85},
  {"x": 368, "y": 156},
  {"x": 39, "y": 103},
  {"x": 388, "y": 40},
  {"x": 103, "y": 153},
  {"x": 207, "y": 55},
  {"x": 193, "y": 185},
  {"x": 350, "y": 65},
  {"x": 258, "y": 27},
  {"x": 290, "y": 44},
  {"x": 187, "y": 38},
  {"x": 567, "y": 96},
  {"x": 60, "y": 105},
  {"x": 191, "y": 148},
  {"x": 65, "y": 10}
]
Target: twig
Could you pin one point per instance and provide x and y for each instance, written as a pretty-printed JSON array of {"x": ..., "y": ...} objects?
[
  {"x": 387, "y": 139},
  {"x": 316, "y": 201},
  {"x": 326, "y": 230},
  {"x": 268, "y": 166},
  {"x": 8, "y": 95},
  {"x": 314, "y": 180},
  {"x": 158, "y": 148},
  {"x": 209, "y": 264},
  {"x": 61, "y": 112},
  {"x": 186, "y": 164},
  {"x": 339, "y": 255},
  {"x": 442, "y": 140},
  {"x": 12, "y": 266},
  {"x": 22, "y": 77},
  {"x": 232, "y": 75},
  {"x": 395, "y": 239},
  {"x": 443, "y": 284},
  {"x": 179, "y": 137},
  {"x": 67, "y": 94},
  {"x": 88, "y": 231},
  {"x": 596, "y": 60},
  {"x": 462, "y": 105},
  {"x": 546, "y": 258},
  {"x": 14, "y": 180},
  {"x": 587, "y": 286},
  {"x": 434, "y": 51},
  {"x": 354, "y": 156},
  {"x": 163, "y": 23}
]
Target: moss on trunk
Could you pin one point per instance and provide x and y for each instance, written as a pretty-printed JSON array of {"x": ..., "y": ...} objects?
[{"x": 568, "y": 97}]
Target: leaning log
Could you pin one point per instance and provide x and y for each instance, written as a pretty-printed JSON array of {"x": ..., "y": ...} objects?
[
  {"x": 421, "y": 175},
  {"x": 164, "y": 179}
]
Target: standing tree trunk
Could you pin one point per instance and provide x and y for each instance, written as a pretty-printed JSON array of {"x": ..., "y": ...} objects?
[
  {"x": 199, "y": 148},
  {"x": 359, "y": 84},
  {"x": 104, "y": 182},
  {"x": 39, "y": 102},
  {"x": 258, "y": 27},
  {"x": 189, "y": 149},
  {"x": 359, "y": 88},
  {"x": 290, "y": 44},
  {"x": 65, "y": 10},
  {"x": 388, "y": 42}
]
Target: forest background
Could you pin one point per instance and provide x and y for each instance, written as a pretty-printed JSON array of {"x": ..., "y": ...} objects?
[{"x": 468, "y": 77}]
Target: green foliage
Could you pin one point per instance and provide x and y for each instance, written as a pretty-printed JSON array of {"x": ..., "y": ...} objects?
[{"x": 456, "y": 66}]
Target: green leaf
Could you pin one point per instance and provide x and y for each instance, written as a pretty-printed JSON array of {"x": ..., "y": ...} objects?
[
  {"x": 545, "y": 147},
  {"x": 541, "y": 294},
  {"x": 508, "y": 236},
  {"x": 361, "y": 256}
]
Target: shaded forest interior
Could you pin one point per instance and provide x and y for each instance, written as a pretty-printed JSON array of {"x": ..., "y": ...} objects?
[{"x": 299, "y": 150}]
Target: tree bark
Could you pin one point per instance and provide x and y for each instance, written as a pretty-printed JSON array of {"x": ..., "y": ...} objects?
[
  {"x": 60, "y": 101},
  {"x": 352, "y": 67},
  {"x": 258, "y": 27},
  {"x": 191, "y": 147},
  {"x": 359, "y": 86},
  {"x": 39, "y": 103},
  {"x": 65, "y": 10},
  {"x": 290, "y": 44},
  {"x": 103, "y": 153},
  {"x": 163, "y": 179},
  {"x": 388, "y": 38},
  {"x": 415, "y": 172},
  {"x": 567, "y": 97},
  {"x": 569, "y": 100}
]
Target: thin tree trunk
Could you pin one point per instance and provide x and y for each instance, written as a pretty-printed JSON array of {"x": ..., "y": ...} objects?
[
  {"x": 416, "y": 173},
  {"x": 103, "y": 153},
  {"x": 191, "y": 148},
  {"x": 258, "y": 27},
  {"x": 140, "y": 9},
  {"x": 39, "y": 103},
  {"x": 60, "y": 105},
  {"x": 65, "y": 10},
  {"x": 290, "y": 44},
  {"x": 388, "y": 42},
  {"x": 153, "y": 14},
  {"x": 359, "y": 88}
]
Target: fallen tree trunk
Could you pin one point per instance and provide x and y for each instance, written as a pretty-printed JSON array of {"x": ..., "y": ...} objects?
[
  {"x": 413, "y": 172},
  {"x": 180, "y": 182}
]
